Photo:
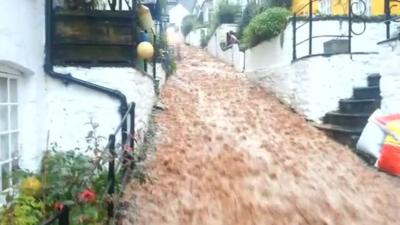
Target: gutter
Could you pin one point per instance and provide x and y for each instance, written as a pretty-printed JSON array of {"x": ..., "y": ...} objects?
[{"x": 68, "y": 78}]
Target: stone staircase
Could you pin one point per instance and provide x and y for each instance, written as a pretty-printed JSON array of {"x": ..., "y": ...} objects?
[{"x": 346, "y": 124}]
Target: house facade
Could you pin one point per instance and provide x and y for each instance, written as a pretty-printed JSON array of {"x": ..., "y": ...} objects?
[
  {"x": 44, "y": 103},
  {"x": 340, "y": 7}
]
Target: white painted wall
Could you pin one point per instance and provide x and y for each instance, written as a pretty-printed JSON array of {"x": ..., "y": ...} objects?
[
  {"x": 47, "y": 104},
  {"x": 70, "y": 107},
  {"x": 194, "y": 37},
  {"x": 176, "y": 14},
  {"x": 22, "y": 48},
  {"x": 314, "y": 86},
  {"x": 390, "y": 81}
]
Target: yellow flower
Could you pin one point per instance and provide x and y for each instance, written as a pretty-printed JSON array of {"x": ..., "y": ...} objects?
[{"x": 31, "y": 186}]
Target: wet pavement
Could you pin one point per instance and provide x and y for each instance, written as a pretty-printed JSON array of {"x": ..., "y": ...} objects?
[{"x": 230, "y": 153}]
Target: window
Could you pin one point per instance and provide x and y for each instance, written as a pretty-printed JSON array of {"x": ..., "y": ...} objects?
[{"x": 9, "y": 133}]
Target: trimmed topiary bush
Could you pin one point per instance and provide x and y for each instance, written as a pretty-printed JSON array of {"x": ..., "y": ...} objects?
[
  {"x": 265, "y": 26},
  {"x": 188, "y": 23}
]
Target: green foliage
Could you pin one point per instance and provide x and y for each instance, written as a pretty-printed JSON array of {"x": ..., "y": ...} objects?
[
  {"x": 24, "y": 210},
  {"x": 226, "y": 12},
  {"x": 63, "y": 173},
  {"x": 265, "y": 26},
  {"x": 251, "y": 10},
  {"x": 188, "y": 23},
  {"x": 275, "y": 3},
  {"x": 168, "y": 61},
  {"x": 68, "y": 178}
]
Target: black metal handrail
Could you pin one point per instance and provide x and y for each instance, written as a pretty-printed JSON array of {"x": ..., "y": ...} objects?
[
  {"x": 351, "y": 18},
  {"x": 124, "y": 162},
  {"x": 389, "y": 18}
]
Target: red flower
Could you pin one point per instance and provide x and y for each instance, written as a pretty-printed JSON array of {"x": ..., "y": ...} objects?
[
  {"x": 87, "y": 196},
  {"x": 58, "y": 206}
]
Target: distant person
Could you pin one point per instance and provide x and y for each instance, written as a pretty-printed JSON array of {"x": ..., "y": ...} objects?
[{"x": 231, "y": 38}]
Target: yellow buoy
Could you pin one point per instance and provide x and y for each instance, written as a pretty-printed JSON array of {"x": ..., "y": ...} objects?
[{"x": 145, "y": 50}]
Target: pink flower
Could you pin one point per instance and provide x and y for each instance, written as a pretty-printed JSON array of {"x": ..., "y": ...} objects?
[{"x": 87, "y": 196}]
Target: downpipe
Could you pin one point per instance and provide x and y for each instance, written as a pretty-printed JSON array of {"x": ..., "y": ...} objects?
[{"x": 68, "y": 78}]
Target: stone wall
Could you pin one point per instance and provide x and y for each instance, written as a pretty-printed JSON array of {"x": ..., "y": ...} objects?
[{"x": 313, "y": 86}]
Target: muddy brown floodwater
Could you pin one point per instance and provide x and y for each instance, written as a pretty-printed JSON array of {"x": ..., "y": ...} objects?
[{"x": 231, "y": 153}]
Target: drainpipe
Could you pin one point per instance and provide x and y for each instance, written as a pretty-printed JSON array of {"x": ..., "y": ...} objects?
[{"x": 68, "y": 78}]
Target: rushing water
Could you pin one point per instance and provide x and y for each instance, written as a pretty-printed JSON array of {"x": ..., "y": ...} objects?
[{"x": 230, "y": 153}]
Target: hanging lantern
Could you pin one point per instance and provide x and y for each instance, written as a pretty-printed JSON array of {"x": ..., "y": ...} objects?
[{"x": 145, "y": 50}]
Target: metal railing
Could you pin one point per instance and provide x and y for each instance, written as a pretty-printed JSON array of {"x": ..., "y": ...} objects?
[
  {"x": 113, "y": 5},
  {"x": 390, "y": 18},
  {"x": 352, "y": 17},
  {"x": 117, "y": 161}
]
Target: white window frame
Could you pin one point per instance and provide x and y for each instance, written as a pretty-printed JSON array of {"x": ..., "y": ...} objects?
[{"x": 9, "y": 132}]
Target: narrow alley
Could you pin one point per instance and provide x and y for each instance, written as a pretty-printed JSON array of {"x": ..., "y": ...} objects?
[{"x": 230, "y": 153}]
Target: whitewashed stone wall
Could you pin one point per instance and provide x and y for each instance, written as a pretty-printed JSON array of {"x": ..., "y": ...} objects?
[
  {"x": 22, "y": 49},
  {"x": 70, "y": 107},
  {"x": 390, "y": 81},
  {"x": 313, "y": 86},
  {"x": 48, "y": 105},
  {"x": 194, "y": 37}
]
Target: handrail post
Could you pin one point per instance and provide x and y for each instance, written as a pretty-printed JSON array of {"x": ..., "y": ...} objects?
[
  {"x": 111, "y": 176},
  {"x": 294, "y": 37},
  {"x": 387, "y": 18},
  {"x": 310, "y": 26},
  {"x": 64, "y": 216},
  {"x": 132, "y": 129}
]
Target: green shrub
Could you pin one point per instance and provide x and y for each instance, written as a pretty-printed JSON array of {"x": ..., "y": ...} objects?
[
  {"x": 265, "y": 26},
  {"x": 251, "y": 10},
  {"x": 188, "y": 23},
  {"x": 226, "y": 12}
]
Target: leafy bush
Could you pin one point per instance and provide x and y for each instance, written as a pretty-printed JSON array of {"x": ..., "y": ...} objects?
[
  {"x": 24, "y": 210},
  {"x": 265, "y": 26},
  {"x": 226, "y": 12},
  {"x": 188, "y": 22}
]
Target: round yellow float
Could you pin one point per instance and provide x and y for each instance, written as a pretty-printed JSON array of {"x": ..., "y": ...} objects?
[{"x": 145, "y": 50}]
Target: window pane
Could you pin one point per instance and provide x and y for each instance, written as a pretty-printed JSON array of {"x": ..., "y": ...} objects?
[
  {"x": 4, "y": 147},
  {"x": 14, "y": 117},
  {"x": 15, "y": 167},
  {"x": 3, "y": 89},
  {"x": 3, "y": 118},
  {"x": 13, "y": 90},
  {"x": 14, "y": 145},
  {"x": 5, "y": 176}
]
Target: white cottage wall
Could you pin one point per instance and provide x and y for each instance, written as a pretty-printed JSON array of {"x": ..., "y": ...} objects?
[
  {"x": 22, "y": 48},
  {"x": 48, "y": 105},
  {"x": 70, "y": 107}
]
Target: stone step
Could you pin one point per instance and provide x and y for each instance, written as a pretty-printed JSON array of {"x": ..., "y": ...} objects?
[
  {"x": 339, "y": 129},
  {"x": 374, "y": 79},
  {"x": 345, "y": 135},
  {"x": 358, "y": 105},
  {"x": 354, "y": 120},
  {"x": 367, "y": 92}
]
